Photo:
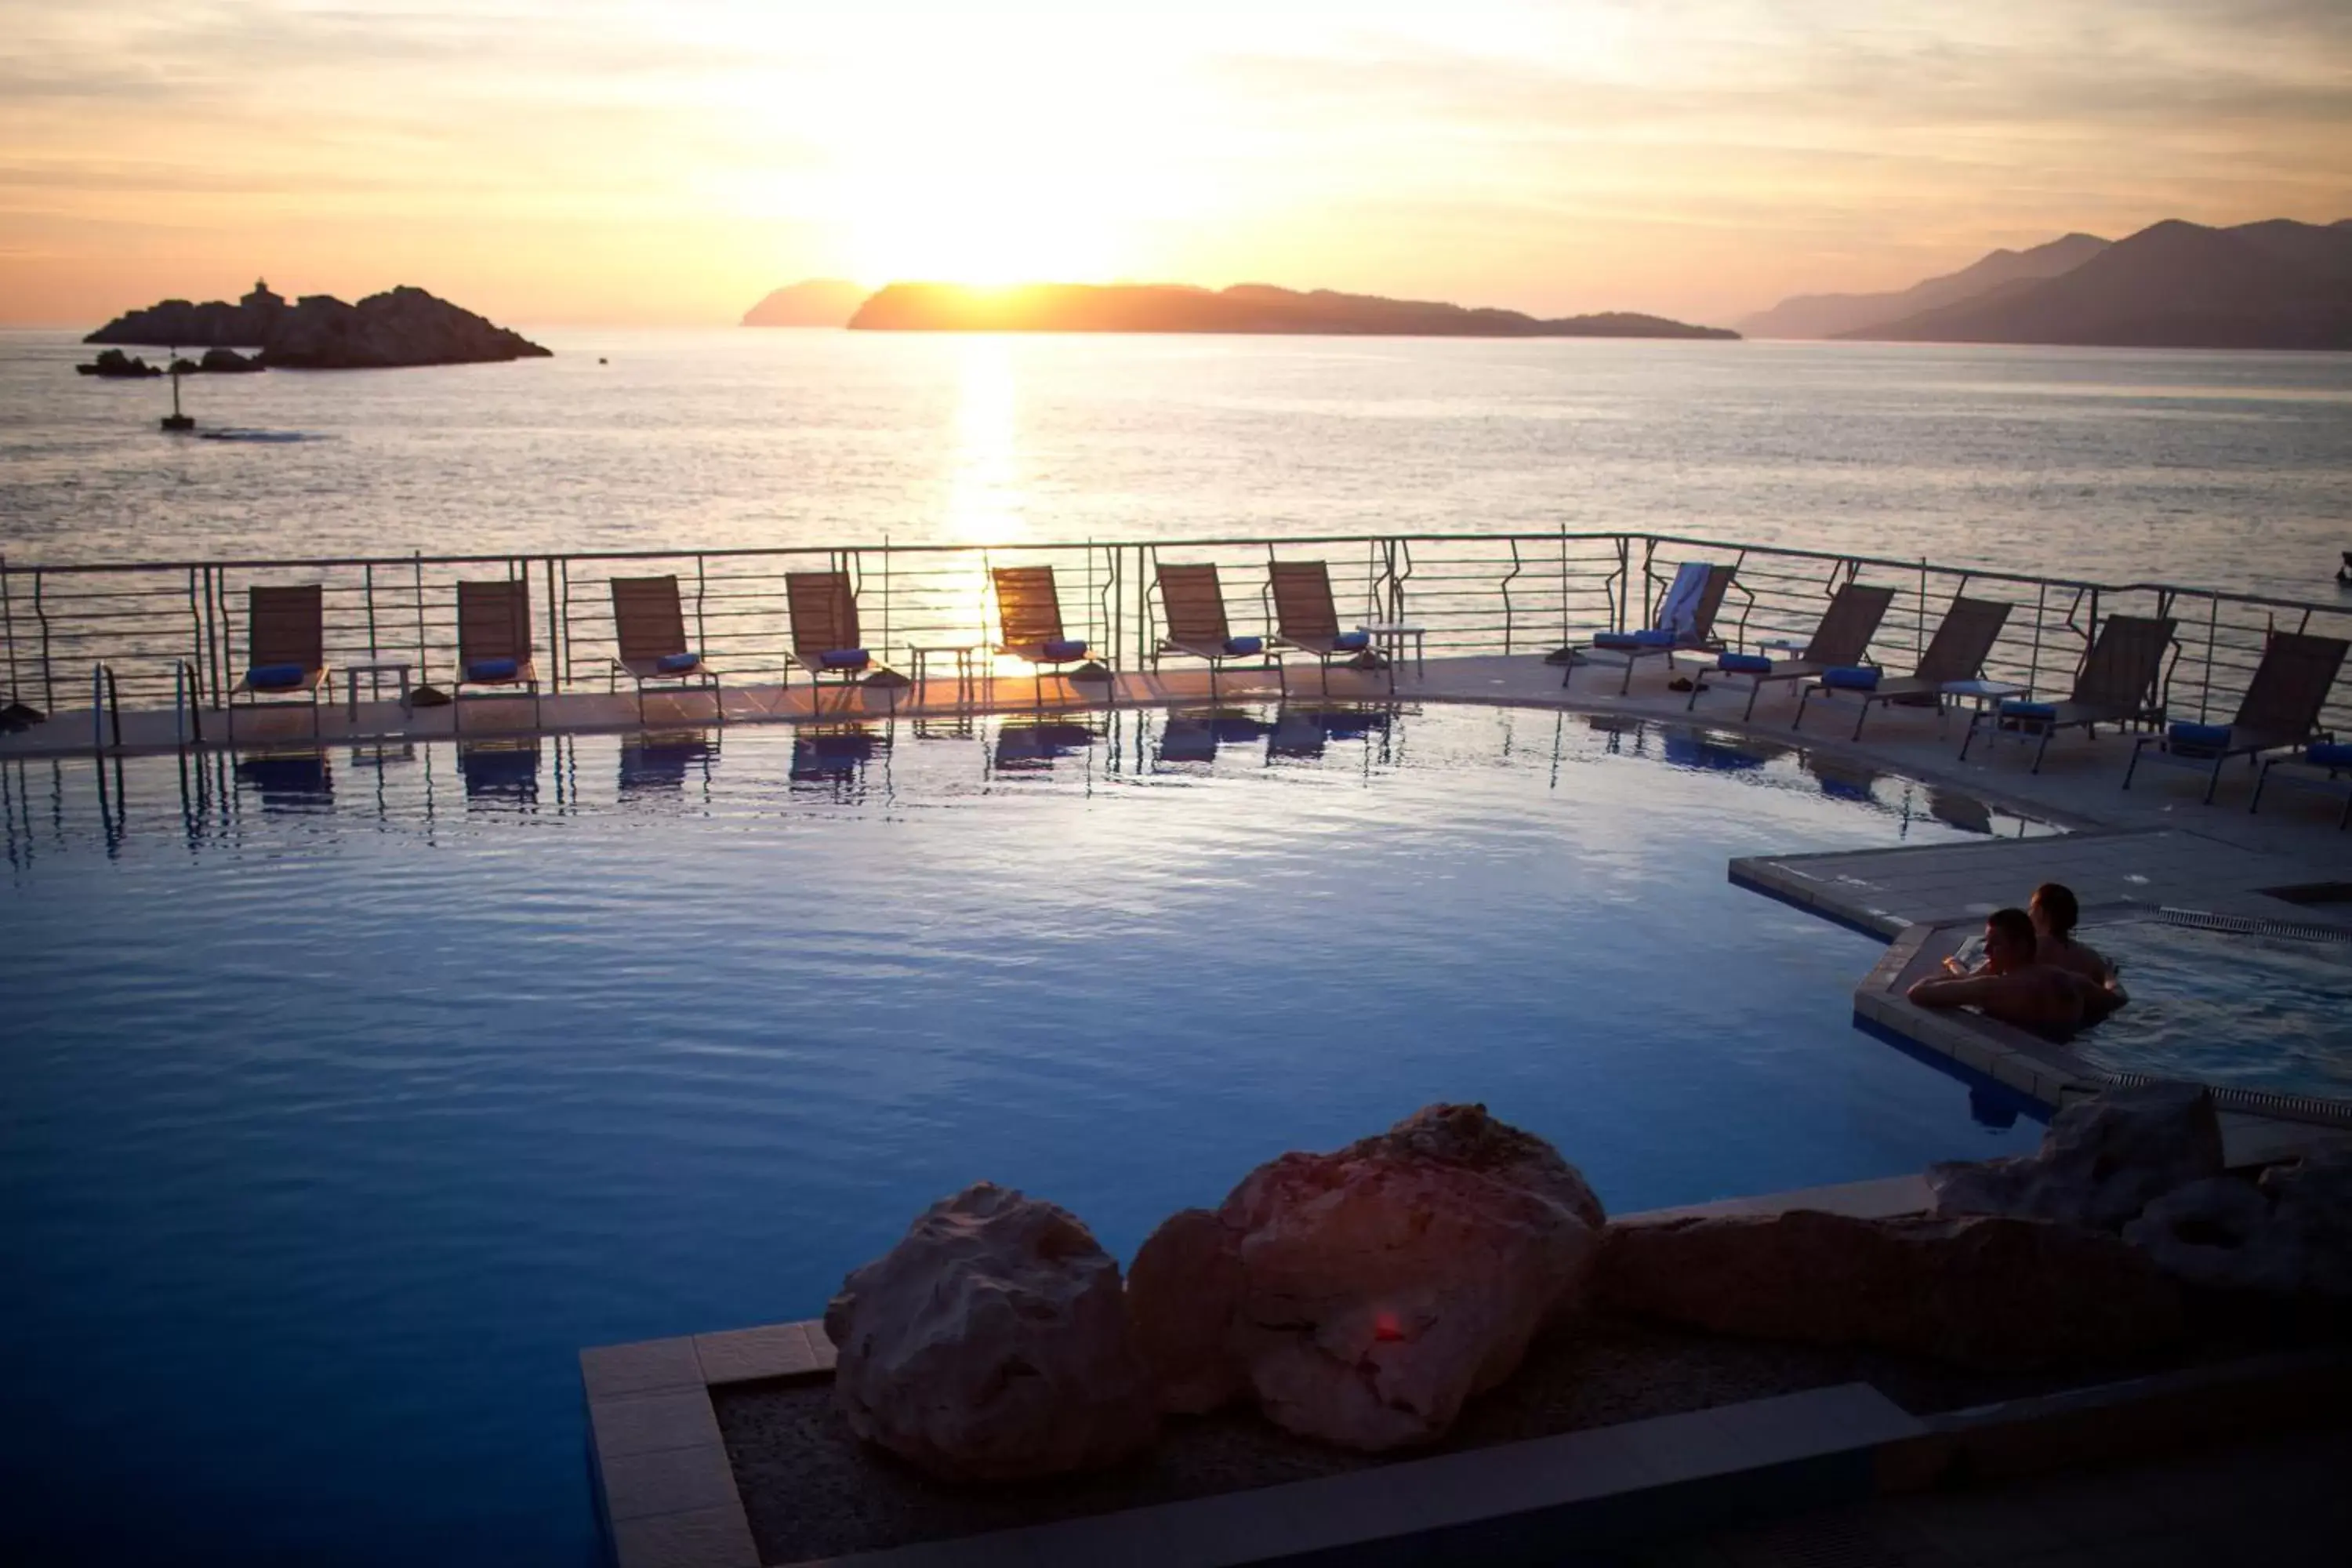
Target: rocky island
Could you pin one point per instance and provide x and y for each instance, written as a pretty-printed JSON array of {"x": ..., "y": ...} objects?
[
  {"x": 1243, "y": 308},
  {"x": 405, "y": 326}
]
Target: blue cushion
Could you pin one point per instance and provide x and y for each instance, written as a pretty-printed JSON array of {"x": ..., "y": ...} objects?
[
  {"x": 845, "y": 658},
  {"x": 676, "y": 663},
  {"x": 490, "y": 669},
  {"x": 275, "y": 677},
  {"x": 1064, "y": 649},
  {"x": 2013, "y": 708},
  {"x": 2197, "y": 737},
  {"x": 1619, "y": 640},
  {"x": 2330, "y": 754},
  {"x": 1652, "y": 639},
  {"x": 1744, "y": 664},
  {"x": 1849, "y": 678},
  {"x": 1348, "y": 640},
  {"x": 1245, "y": 645}
]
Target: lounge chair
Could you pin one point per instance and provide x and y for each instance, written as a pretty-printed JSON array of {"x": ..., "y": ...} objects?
[
  {"x": 1193, "y": 604},
  {"x": 1684, "y": 622},
  {"x": 2332, "y": 765},
  {"x": 1029, "y": 622},
  {"x": 1957, "y": 652},
  {"x": 285, "y": 644},
  {"x": 649, "y": 628},
  {"x": 494, "y": 644},
  {"x": 824, "y": 632},
  {"x": 1840, "y": 641},
  {"x": 2118, "y": 685},
  {"x": 2281, "y": 710},
  {"x": 1305, "y": 618}
]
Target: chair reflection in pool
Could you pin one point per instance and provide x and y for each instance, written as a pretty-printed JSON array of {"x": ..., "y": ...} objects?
[
  {"x": 1305, "y": 618},
  {"x": 1957, "y": 652},
  {"x": 649, "y": 635},
  {"x": 2118, "y": 685},
  {"x": 494, "y": 645},
  {"x": 1685, "y": 623},
  {"x": 285, "y": 639},
  {"x": 660, "y": 763},
  {"x": 2281, "y": 710},
  {"x": 1029, "y": 624},
  {"x": 1193, "y": 605},
  {"x": 499, "y": 770},
  {"x": 826, "y": 640}
]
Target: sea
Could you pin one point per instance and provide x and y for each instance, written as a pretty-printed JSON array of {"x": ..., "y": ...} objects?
[{"x": 2204, "y": 469}]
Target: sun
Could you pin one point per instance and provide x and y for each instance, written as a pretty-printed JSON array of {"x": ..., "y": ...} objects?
[
  {"x": 987, "y": 234},
  {"x": 991, "y": 157}
]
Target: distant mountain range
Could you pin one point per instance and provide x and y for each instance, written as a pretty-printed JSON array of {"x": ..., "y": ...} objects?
[
  {"x": 1833, "y": 315},
  {"x": 1243, "y": 308},
  {"x": 817, "y": 302},
  {"x": 2277, "y": 284}
]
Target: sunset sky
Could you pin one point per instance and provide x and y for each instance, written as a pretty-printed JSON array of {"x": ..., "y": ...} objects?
[{"x": 670, "y": 161}]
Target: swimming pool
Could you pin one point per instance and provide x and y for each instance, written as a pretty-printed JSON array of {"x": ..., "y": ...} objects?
[
  {"x": 344, "y": 1097},
  {"x": 2237, "y": 1009}
]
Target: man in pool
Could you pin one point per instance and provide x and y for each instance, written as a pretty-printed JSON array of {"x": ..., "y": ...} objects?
[{"x": 2013, "y": 987}]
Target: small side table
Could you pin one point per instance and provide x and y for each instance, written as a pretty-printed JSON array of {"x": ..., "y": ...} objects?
[
  {"x": 375, "y": 670},
  {"x": 1983, "y": 693},
  {"x": 1392, "y": 637},
  {"x": 968, "y": 659}
]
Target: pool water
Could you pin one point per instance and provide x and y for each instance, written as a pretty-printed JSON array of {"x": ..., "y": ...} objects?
[
  {"x": 2242, "y": 1011},
  {"x": 342, "y": 1098}
]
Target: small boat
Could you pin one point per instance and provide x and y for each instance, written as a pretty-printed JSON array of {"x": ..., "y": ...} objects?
[{"x": 2343, "y": 572}]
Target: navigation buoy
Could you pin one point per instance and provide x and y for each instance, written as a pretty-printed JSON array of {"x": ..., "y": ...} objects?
[{"x": 175, "y": 422}]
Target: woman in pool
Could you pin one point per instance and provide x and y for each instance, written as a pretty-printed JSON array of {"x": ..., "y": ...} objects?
[{"x": 2055, "y": 913}]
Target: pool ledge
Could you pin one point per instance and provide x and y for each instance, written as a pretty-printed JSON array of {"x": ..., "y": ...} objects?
[
  {"x": 667, "y": 1494},
  {"x": 1981, "y": 1049}
]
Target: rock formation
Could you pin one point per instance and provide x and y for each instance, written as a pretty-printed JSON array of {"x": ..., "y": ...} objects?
[
  {"x": 113, "y": 364},
  {"x": 2102, "y": 1161},
  {"x": 404, "y": 327},
  {"x": 2288, "y": 1234},
  {"x": 992, "y": 1344},
  {"x": 1984, "y": 1292},
  {"x": 1362, "y": 1296}
]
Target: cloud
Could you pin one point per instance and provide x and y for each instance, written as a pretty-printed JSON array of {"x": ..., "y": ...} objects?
[{"x": 1557, "y": 147}]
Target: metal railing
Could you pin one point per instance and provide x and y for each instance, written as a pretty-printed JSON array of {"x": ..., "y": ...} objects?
[{"x": 174, "y": 633}]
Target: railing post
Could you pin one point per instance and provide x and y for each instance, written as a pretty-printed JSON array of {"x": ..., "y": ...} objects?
[
  {"x": 367, "y": 582},
  {"x": 417, "y": 558},
  {"x": 556, "y": 612}
]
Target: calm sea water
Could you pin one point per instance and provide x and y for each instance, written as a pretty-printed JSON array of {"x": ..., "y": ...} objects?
[
  {"x": 2225, "y": 471},
  {"x": 343, "y": 1098}
]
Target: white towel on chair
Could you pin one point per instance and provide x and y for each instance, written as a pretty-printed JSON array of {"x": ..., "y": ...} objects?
[{"x": 1678, "y": 611}]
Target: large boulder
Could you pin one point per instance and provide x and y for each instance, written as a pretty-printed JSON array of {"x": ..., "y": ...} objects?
[
  {"x": 992, "y": 1344},
  {"x": 1364, "y": 1295},
  {"x": 2102, "y": 1160},
  {"x": 1982, "y": 1292},
  {"x": 2289, "y": 1235}
]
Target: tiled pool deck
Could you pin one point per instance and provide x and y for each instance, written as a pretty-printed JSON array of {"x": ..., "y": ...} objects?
[{"x": 665, "y": 1481}]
